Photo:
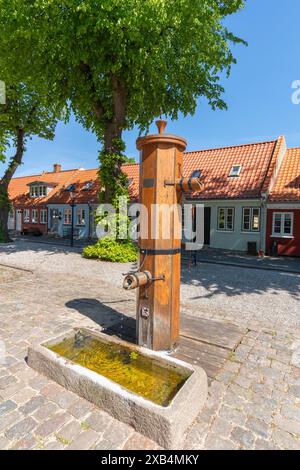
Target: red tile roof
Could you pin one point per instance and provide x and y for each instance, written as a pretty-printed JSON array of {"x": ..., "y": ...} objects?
[
  {"x": 19, "y": 189},
  {"x": 133, "y": 173},
  {"x": 257, "y": 161},
  {"x": 287, "y": 186},
  {"x": 216, "y": 164}
]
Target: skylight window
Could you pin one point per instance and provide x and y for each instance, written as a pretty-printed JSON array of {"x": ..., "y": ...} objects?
[
  {"x": 129, "y": 182},
  {"x": 88, "y": 185},
  {"x": 235, "y": 171},
  {"x": 70, "y": 188},
  {"x": 196, "y": 174}
]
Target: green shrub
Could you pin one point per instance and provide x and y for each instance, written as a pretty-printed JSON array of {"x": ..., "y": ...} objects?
[{"x": 108, "y": 249}]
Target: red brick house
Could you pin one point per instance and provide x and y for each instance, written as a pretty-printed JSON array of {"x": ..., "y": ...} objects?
[{"x": 283, "y": 221}]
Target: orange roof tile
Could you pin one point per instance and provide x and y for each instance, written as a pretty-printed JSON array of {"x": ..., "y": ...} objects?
[
  {"x": 257, "y": 160},
  {"x": 287, "y": 186},
  {"x": 19, "y": 189},
  {"x": 216, "y": 164},
  {"x": 133, "y": 173},
  {"x": 84, "y": 194}
]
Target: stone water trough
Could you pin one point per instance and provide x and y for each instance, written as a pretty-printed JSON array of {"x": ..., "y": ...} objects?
[{"x": 158, "y": 395}]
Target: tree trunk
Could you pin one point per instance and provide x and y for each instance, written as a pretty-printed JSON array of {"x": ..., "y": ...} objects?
[
  {"x": 114, "y": 129},
  {"x": 4, "y": 235},
  {"x": 4, "y": 184}
]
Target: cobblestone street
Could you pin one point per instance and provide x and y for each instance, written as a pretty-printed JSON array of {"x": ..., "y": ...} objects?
[{"x": 254, "y": 402}]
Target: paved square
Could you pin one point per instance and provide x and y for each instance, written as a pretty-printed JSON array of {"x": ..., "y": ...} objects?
[{"x": 254, "y": 402}]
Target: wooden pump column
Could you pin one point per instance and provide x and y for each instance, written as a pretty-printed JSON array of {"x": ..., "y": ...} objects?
[{"x": 159, "y": 301}]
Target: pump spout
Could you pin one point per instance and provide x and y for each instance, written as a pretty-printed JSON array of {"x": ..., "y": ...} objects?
[{"x": 135, "y": 280}]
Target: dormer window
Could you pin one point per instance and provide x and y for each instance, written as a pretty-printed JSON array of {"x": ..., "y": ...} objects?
[
  {"x": 235, "y": 171},
  {"x": 39, "y": 188}
]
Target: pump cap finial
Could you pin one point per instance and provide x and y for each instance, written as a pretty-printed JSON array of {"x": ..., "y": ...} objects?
[{"x": 161, "y": 125}]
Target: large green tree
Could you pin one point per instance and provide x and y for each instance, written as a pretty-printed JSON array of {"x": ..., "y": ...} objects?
[
  {"x": 120, "y": 63},
  {"x": 22, "y": 116}
]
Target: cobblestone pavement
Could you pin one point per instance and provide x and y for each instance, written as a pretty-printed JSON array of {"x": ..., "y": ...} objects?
[{"x": 254, "y": 403}]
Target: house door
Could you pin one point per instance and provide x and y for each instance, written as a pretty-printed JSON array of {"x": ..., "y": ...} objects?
[
  {"x": 18, "y": 220},
  {"x": 54, "y": 218},
  {"x": 207, "y": 221}
]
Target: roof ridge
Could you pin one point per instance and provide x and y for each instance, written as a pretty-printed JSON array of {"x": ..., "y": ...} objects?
[
  {"x": 233, "y": 146},
  {"x": 29, "y": 176},
  {"x": 45, "y": 173},
  {"x": 57, "y": 172},
  {"x": 130, "y": 164}
]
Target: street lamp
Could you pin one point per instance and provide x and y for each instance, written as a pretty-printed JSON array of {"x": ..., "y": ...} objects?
[{"x": 72, "y": 193}]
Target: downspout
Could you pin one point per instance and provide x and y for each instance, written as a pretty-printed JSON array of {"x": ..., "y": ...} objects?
[
  {"x": 90, "y": 221},
  {"x": 263, "y": 209}
]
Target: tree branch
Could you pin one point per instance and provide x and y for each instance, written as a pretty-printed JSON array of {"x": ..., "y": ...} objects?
[
  {"x": 16, "y": 160},
  {"x": 98, "y": 107}
]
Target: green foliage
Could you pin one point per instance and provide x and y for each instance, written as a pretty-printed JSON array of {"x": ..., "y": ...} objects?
[
  {"x": 108, "y": 249},
  {"x": 118, "y": 63},
  {"x": 24, "y": 115},
  {"x": 113, "y": 181},
  {"x": 134, "y": 355},
  {"x": 26, "y": 109},
  {"x": 162, "y": 54},
  {"x": 129, "y": 160},
  {"x": 114, "y": 186},
  {"x": 4, "y": 144}
]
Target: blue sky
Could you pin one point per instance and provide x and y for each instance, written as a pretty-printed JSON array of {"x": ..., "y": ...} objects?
[{"x": 258, "y": 94}]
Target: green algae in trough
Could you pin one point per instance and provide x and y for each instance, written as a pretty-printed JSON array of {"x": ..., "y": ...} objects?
[{"x": 132, "y": 370}]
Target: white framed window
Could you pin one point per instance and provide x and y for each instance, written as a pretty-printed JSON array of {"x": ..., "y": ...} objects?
[
  {"x": 251, "y": 219},
  {"x": 235, "y": 171},
  {"x": 26, "y": 216},
  {"x": 12, "y": 214},
  {"x": 226, "y": 219},
  {"x": 68, "y": 216},
  {"x": 80, "y": 217},
  {"x": 283, "y": 224},
  {"x": 34, "y": 216},
  {"x": 43, "y": 216},
  {"x": 38, "y": 191}
]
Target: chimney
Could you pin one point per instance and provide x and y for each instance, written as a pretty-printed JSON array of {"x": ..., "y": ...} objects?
[{"x": 56, "y": 168}]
